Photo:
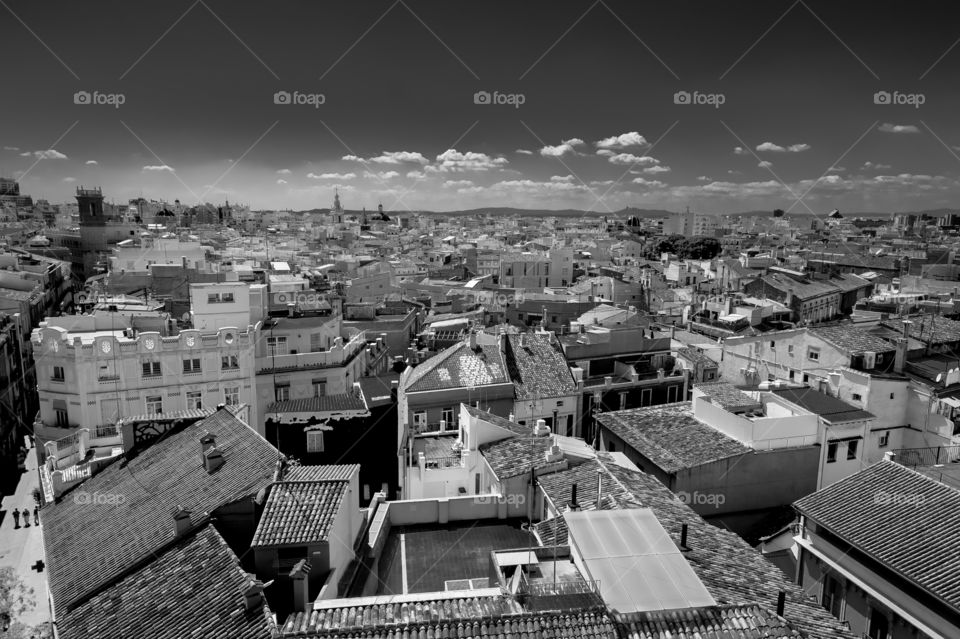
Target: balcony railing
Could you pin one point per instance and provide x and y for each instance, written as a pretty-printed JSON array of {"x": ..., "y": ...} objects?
[
  {"x": 932, "y": 456},
  {"x": 439, "y": 463}
]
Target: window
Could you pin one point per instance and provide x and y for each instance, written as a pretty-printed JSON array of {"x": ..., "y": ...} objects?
[
  {"x": 226, "y": 297},
  {"x": 852, "y": 449},
  {"x": 420, "y": 421},
  {"x": 831, "y": 452},
  {"x": 154, "y": 404},
  {"x": 151, "y": 369},
  {"x": 891, "y": 395},
  {"x": 319, "y": 387},
  {"x": 792, "y": 375},
  {"x": 314, "y": 441},
  {"x": 447, "y": 417},
  {"x": 194, "y": 399},
  {"x": 276, "y": 346},
  {"x": 813, "y": 354},
  {"x": 857, "y": 397},
  {"x": 229, "y": 361},
  {"x": 789, "y": 349},
  {"x": 830, "y": 598},
  {"x": 560, "y": 403},
  {"x": 213, "y": 298},
  {"x": 623, "y": 401},
  {"x": 231, "y": 395},
  {"x": 281, "y": 392},
  {"x": 773, "y": 346},
  {"x": 191, "y": 365},
  {"x": 884, "y": 440},
  {"x": 62, "y": 418},
  {"x": 879, "y": 624},
  {"x": 107, "y": 371},
  {"x": 58, "y": 374}
]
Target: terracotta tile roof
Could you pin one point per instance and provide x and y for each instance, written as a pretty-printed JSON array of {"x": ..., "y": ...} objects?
[
  {"x": 459, "y": 367},
  {"x": 929, "y": 329},
  {"x": 323, "y": 404},
  {"x": 592, "y": 624},
  {"x": 145, "y": 489},
  {"x": 343, "y": 615},
  {"x": 502, "y": 422},
  {"x": 801, "y": 289},
  {"x": 727, "y": 396},
  {"x": 670, "y": 436},
  {"x": 852, "y": 338},
  {"x": 516, "y": 455},
  {"x": 558, "y": 486},
  {"x": 537, "y": 366},
  {"x": 901, "y": 518},
  {"x": 300, "y": 512},
  {"x": 733, "y": 572},
  {"x": 192, "y": 589},
  {"x": 726, "y": 622},
  {"x": 325, "y": 472},
  {"x": 831, "y": 409}
]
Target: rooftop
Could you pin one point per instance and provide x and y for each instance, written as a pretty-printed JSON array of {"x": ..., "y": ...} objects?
[
  {"x": 191, "y": 589},
  {"x": 929, "y": 329},
  {"x": 147, "y": 487},
  {"x": 670, "y": 436},
  {"x": 728, "y": 396},
  {"x": 855, "y": 339},
  {"x": 831, "y": 409},
  {"x": 914, "y": 535},
  {"x": 537, "y": 366},
  {"x": 458, "y": 367},
  {"x": 300, "y": 512}
]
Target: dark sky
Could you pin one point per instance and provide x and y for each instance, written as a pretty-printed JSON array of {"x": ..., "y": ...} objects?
[{"x": 198, "y": 80}]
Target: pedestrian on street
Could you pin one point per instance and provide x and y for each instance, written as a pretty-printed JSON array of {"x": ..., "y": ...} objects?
[
  {"x": 16, "y": 518},
  {"x": 36, "y": 516},
  {"x": 26, "y": 518}
]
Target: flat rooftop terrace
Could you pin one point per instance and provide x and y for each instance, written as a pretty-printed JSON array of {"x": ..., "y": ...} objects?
[{"x": 424, "y": 558}]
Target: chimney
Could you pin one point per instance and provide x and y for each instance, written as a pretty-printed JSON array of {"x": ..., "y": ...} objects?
[
  {"x": 599, "y": 490},
  {"x": 394, "y": 388},
  {"x": 781, "y": 602},
  {"x": 903, "y": 344},
  {"x": 890, "y": 455},
  {"x": 554, "y": 454},
  {"x": 473, "y": 341},
  {"x": 511, "y": 417},
  {"x": 253, "y": 595},
  {"x": 181, "y": 520},
  {"x": 212, "y": 459},
  {"x": 574, "y": 506},
  {"x": 683, "y": 537},
  {"x": 541, "y": 429},
  {"x": 207, "y": 441},
  {"x": 301, "y": 585}
]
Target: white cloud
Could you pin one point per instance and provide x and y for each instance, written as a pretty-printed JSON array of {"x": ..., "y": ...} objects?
[
  {"x": 283, "y": 171},
  {"x": 391, "y": 157},
  {"x": 657, "y": 168},
  {"x": 382, "y": 175},
  {"x": 417, "y": 175},
  {"x": 887, "y": 127},
  {"x": 739, "y": 150},
  {"x": 601, "y": 182},
  {"x": 561, "y": 178},
  {"x": 653, "y": 184},
  {"x": 836, "y": 169},
  {"x": 764, "y": 164},
  {"x": 281, "y": 181},
  {"x": 565, "y": 147},
  {"x": 454, "y": 161},
  {"x": 331, "y": 176},
  {"x": 629, "y": 159},
  {"x": 158, "y": 167},
  {"x": 11, "y": 148},
  {"x": 776, "y": 148},
  {"x": 91, "y": 162},
  {"x": 69, "y": 179},
  {"x": 875, "y": 166},
  {"x": 449, "y": 184},
  {"x": 622, "y": 141},
  {"x": 524, "y": 152},
  {"x": 704, "y": 178},
  {"x": 49, "y": 154}
]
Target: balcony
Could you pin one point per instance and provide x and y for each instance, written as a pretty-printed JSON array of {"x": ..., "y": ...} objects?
[{"x": 337, "y": 357}]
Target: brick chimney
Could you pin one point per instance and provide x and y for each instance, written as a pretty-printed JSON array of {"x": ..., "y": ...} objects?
[
  {"x": 181, "y": 520},
  {"x": 541, "y": 429},
  {"x": 212, "y": 459},
  {"x": 903, "y": 344},
  {"x": 253, "y": 596},
  {"x": 301, "y": 585},
  {"x": 207, "y": 441}
]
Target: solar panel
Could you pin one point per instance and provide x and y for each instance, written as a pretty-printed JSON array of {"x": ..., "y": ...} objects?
[{"x": 635, "y": 562}]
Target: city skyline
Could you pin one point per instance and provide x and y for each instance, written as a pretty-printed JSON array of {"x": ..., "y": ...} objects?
[{"x": 593, "y": 114}]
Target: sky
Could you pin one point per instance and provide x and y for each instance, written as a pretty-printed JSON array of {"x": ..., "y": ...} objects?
[{"x": 449, "y": 105}]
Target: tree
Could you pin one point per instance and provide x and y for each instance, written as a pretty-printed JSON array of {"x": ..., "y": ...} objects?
[
  {"x": 777, "y": 212},
  {"x": 15, "y": 600}
]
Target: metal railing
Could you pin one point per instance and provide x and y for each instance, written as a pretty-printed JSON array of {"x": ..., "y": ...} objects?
[{"x": 932, "y": 456}]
